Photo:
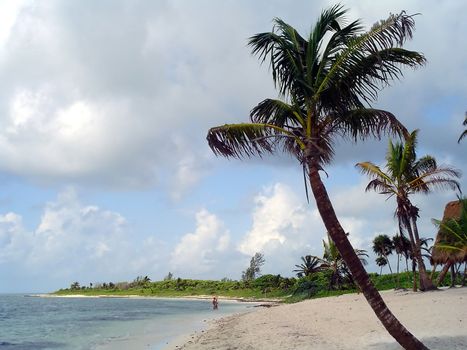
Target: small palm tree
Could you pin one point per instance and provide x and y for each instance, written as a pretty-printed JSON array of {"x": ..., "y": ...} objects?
[
  {"x": 310, "y": 264},
  {"x": 404, "y": 176},
  {"x": 402, "y": 248},
  {"x": 333, "y": 261},
  {"x": 383, "y": 246},
  {"x": 381, "y": 261},
  {"x": 326, "y": 83}
]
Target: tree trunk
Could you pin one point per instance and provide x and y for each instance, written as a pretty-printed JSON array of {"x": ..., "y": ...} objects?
[
  {"x": 443, "y": 273},
  {"x": 425, "y": 281},
  {"x": 414, "y": 276},
  {"x": 453, "y": 276},
  {"x": 398, "y": 285},
  {"x": 465, "y": 273},
  {"x": 389, "y": 265},
  {"x": 433, "y": 272},
  {"x": 337, "y": 234}
]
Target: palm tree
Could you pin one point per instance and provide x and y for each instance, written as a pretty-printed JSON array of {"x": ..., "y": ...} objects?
[
  {"x": 333, "y": 261},
  {"x": 402, "y": 247},
  {"x": 382, "y": 246},
  {"x": 326, "y": 83},
  {"x": 464, "y": 133},
  {"x": 404, "y": 176},
  {"x": 381, "y": 261},
  {"x": 310, "y": 264}
]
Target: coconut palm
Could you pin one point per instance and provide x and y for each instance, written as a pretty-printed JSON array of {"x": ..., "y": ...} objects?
[
  {"x": 310, "y": 264},
  {"x": 404, "y": 176},
  {"x": 383, "y": 246},
  {"x": 326, "y": 83}
]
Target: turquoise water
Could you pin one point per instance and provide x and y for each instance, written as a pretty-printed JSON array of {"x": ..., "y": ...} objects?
[{"x": 100, "y": 323}]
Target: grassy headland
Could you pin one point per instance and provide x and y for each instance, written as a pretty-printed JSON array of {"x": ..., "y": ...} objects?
[{"x": 267, "y": 287}]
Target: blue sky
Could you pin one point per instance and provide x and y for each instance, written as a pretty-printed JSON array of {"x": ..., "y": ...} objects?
[{"x": 105, "y": 171}]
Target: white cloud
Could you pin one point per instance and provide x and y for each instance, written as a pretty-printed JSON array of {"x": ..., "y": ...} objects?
[
  {"x": 203, "y": 251},
  {"x": 77, "y": 242},
  {"x": 283, "y": 229}
]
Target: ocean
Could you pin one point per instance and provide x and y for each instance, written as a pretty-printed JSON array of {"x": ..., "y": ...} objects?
[{"x": 36, "y": 323}]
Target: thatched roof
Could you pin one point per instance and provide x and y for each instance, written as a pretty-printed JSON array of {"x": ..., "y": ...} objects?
[{"x": 442, "y": 256}]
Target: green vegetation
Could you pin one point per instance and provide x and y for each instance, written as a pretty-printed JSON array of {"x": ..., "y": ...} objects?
[{"x": 276, "y": 287}]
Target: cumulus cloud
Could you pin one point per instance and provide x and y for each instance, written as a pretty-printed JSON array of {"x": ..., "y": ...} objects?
[
  {"x": 77, "y": 242},
  {"x": 203, "y": 251},
  {"x": 283, "y": 229}
]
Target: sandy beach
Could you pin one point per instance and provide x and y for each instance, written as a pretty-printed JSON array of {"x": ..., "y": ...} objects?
[{"x": 438, "y": 318}]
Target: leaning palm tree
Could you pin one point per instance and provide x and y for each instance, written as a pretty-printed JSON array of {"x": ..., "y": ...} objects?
[
  {"x": 310, "y": 264},
  {"x": 326, "y": 83},
  {"x": 404, "y": 176}
]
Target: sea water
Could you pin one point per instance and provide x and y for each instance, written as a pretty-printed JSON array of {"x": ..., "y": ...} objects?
[{"x": 38, "y": 323}]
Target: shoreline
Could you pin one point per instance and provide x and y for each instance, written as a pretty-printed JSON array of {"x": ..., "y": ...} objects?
[
  {"x": 134, "y": 296},
  {"x": 437, "y": 318}
]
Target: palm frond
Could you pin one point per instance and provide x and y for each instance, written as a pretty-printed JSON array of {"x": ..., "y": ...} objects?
[
  {"x": 250, "y": 139},
  {"x": 285, "y": 49},
  {"x": 361, "y": 123},
  {"x": 464, "y": 134},
  {"x": 426, "y": 183},
  {"x": 277, "y": 112},
  {"x": 369, "y": 61},
  {"x": 408, "y": 155},
  {"x": 374, "y": 172},
  {"x": 426, "y": 164},
  {"x": 239, "y": 140}
]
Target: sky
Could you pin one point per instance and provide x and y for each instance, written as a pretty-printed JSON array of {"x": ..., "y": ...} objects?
[{"x": 105, "y": 173}]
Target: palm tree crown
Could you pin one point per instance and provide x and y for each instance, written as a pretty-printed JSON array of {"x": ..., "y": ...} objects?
[
  {"x": 310, "y": 264},
  {"x": 326, "y": 83}
]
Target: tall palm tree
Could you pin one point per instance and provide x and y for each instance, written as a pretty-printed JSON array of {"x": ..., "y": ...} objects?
[
  {"x": 310, "y": 264},
  {"x": 326, "y": 83},
  {"x": 404, "y": 176}
]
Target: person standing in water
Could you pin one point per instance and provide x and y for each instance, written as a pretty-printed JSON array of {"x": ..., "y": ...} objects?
[{"x": 215, "y": 303}]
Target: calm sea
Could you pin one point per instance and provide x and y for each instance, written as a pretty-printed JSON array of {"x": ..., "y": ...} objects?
[{"x": 101, "y": 323}]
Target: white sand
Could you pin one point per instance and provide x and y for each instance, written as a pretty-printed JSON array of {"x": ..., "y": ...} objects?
[{"x": 438, "y": 318}]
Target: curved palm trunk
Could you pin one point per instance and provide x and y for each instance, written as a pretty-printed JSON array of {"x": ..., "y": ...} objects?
[
  {"x": 443, "y": 273},
  {"x": 326, "y": 210},
  {"x": 425, "y": 281}
]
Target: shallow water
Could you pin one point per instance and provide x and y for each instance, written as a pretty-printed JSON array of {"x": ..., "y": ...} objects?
[{"x": 28, "y": 323}]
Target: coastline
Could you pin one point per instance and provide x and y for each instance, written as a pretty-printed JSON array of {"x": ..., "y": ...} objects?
[
  {"x": 437, "y": 318},
  {"x": 134, "y": 296}
]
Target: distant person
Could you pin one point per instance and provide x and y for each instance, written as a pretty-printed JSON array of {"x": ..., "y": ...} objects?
[{"x": 215, "y": 303}]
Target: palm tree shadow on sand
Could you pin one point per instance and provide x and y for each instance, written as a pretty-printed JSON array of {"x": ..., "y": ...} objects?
[{"x": 455, "y": 342}]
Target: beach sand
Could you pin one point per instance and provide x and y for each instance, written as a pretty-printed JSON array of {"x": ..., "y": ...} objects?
[{"x": 438, "y": 318}]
